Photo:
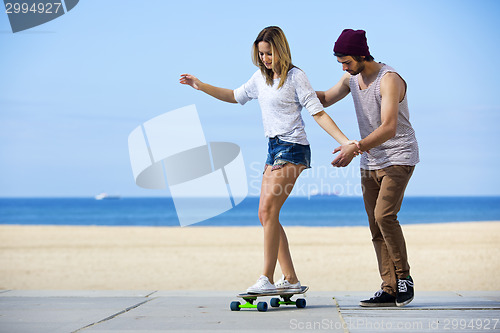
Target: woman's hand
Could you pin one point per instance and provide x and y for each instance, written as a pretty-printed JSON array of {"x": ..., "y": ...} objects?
[
  {"x": 226, "y": 95},
  {"x": 347, "y": 152},
  {"x": 190, "y": 80}
]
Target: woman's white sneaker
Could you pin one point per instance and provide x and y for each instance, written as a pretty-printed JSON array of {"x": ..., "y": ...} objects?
[
  {"x": 262, "y": 286},
  {"x": 284, "y": 285}
]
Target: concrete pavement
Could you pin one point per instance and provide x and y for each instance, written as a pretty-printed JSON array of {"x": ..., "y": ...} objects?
[{"x": 161, "y": 311}]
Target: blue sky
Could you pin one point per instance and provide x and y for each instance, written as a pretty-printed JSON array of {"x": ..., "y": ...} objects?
[{"x": 74, "y": 88}]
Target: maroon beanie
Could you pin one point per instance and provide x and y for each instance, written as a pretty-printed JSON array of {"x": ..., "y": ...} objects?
[{"x": 352, "y": 42}]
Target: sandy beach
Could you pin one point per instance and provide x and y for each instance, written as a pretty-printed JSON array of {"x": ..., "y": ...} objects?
[{"x": 449, "y": 257}]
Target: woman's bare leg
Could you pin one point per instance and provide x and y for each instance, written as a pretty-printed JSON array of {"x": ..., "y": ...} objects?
[{"x": 276, "y": 187}]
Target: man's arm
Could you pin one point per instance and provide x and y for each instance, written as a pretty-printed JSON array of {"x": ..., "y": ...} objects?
[
  {"x": 392, "y": 90},
  {"x": 335, "y": 93},
  {"x": 330, "y": 97}
]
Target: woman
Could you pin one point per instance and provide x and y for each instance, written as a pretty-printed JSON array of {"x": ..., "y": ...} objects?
[{"x": 282, "y": 90}]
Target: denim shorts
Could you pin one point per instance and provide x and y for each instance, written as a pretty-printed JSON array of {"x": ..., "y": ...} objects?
[{"x": 282, "y": 152}]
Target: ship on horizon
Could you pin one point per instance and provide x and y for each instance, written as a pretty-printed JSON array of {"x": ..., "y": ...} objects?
[{"x": 106, "y": 196}]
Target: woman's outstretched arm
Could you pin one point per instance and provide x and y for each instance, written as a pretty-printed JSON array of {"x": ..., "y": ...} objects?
[{"x": 223, "y": 94}]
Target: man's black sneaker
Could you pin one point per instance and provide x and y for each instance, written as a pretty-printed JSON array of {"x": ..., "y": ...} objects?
[
  {"x": 381, "y": 298},
  {"x": 405, "y": 291}
]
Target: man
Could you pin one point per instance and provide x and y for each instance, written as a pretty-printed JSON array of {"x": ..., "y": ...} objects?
[{"x": 391, "y": 153}]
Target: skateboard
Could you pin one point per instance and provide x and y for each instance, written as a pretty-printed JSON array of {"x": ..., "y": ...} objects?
[{"x": 275, "y": 302}]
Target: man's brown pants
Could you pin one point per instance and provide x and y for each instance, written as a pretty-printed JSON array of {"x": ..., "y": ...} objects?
[{"x": 383, "y": 192}]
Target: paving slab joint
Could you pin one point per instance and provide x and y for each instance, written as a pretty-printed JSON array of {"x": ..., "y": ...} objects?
[
  {"x": 115, "y": 315},
  {"x": 344, "y": 324}
]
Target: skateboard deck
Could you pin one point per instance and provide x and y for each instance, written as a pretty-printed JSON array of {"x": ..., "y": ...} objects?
[{"x": 285, "y": 299}]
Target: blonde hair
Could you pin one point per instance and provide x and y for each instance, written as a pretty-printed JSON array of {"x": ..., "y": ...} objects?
[{"x": 282, "y": 58}]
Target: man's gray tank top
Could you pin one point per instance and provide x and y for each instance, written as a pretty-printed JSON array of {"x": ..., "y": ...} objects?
[{"x": 402, "y": 149}]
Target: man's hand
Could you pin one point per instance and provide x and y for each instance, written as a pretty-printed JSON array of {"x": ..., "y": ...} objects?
[{"x": 347, "y": 152}]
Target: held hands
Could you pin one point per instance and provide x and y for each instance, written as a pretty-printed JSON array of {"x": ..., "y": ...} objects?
[
  {"x": 347, "y": 152},
  {"x": 190, "y": 80}
]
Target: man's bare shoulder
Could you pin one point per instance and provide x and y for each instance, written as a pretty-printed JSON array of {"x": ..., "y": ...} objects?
[
  {"x": 393, "y": 84},
  {"x": 345, "y": 79},
  {"x": 392, "y": 78}
]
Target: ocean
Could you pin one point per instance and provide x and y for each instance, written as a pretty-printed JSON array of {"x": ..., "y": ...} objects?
[{"x": 317, "y": 211}]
